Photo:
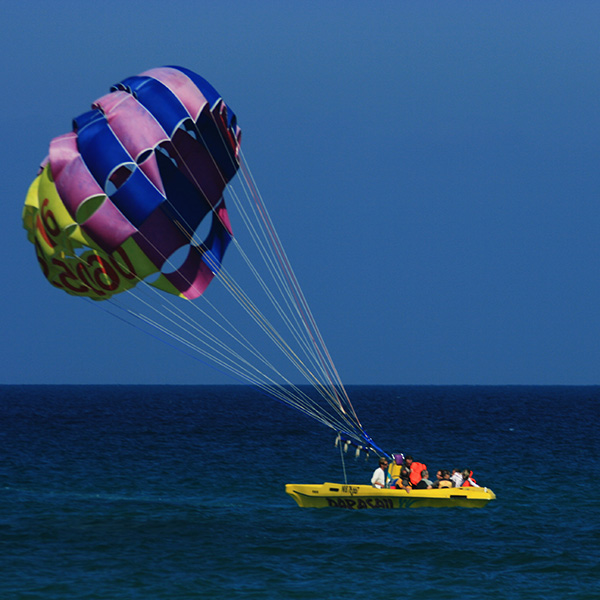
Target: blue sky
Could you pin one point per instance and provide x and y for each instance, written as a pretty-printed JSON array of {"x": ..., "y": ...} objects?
[{"x": 432, "y": 169}]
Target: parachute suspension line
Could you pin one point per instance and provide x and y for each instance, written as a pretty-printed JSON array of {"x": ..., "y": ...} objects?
[
  {"x": 215, "y": 337},
  {"x": 235, "y": 164},
  {"x": 296, "y": 329},
  {"x": 311, "y": 325},
  {"x": 299, "y": 302},
  {"x": 248, "y": 372},
  {"x": 302, "y": 402},
  {"x": 267, "y": 327},
  {"x": 193, "y": 325},
  {"x": 282, "y": 274},
  {"x": 293, "y": 328},
  {"x": 293, "y": 287},
  {"x": 297, "y": 335},
  {"x": 283, "y": 264},
  {"x": 242, "y": 340},
  {"x": 221, "y": 360},
  {"x": 226, "y": 358}
]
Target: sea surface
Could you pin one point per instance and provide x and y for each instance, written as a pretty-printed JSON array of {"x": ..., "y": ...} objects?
[{"x": 177, "y": 492}]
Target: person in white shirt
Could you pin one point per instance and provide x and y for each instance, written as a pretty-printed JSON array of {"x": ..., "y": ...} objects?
[
  {"x": 381, "y": 476},
  {"x": 457, "y": 478}
]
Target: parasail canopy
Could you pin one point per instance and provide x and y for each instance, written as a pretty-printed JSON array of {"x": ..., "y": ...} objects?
[
  {"x": 130, "y": 185},
  {"x": 131, "y": 204}
]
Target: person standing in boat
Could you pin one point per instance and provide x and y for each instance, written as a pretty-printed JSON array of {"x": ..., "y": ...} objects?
[
  {"x": 381, "y": 477},
  {"x": 415, "y": 469}
]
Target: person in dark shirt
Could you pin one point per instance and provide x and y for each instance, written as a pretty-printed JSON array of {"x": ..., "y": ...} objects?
[
  {"x": 403, "y": 482},
  {"x": 445, "y": 481},
  {"x": 425, "y": 483}
]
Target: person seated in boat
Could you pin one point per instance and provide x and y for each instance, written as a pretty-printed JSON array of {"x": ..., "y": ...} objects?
[
  {"x": 415, "y": 469},
  {"x": 403, "y": 482},
  {"x": 425, "y": 483},
  {"x": 442, "y": 479},
  {"x": 445, "y": 481},
  {"x": 457, "y": 478},
  {"x": 468, "y": 480},
  {"x": 381, "y": 477}
]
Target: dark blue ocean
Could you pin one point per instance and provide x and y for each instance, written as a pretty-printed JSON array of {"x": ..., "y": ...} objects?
[{"x": 127, "y": 492}]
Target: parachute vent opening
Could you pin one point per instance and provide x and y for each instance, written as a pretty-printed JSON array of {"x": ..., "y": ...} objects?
[
  {"x": 202, "y": 231},
  {"x": 152, "y": 278},
  {"x": 164, "y": 152},
  {"x": 121, "y": 87},
  {"x": 189, "y": 127},
  {"x": 118, "y": 177},
  {"x": 176, "y": 260},
  {"x": 88, "y": 207},
  {"x": 196, "y": 244},
  {"x": 144, "y": 156}
]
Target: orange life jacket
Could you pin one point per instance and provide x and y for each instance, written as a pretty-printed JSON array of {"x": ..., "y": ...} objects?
[
  {"x": 415, "y": 472},
  {"x": 469, "y": 481}
]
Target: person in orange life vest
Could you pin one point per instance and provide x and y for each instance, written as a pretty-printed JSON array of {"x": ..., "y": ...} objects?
[
  {"x": 468, "y": 480},
  {"x": 415, "y": 469}
]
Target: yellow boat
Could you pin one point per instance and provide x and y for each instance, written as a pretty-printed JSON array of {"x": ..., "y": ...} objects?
[{"x": 339, "y": 495}]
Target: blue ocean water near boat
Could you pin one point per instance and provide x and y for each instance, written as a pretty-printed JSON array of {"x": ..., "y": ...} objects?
[{"x": 178, "y": 492}]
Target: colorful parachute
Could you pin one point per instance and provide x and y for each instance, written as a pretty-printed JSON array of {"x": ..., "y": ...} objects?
[
  {"x": 132, "y": 200},
  {"x": 130, "y": 186}
]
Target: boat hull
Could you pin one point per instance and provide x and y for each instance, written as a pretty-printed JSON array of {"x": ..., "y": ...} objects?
[{"x": 337, "y": 495}]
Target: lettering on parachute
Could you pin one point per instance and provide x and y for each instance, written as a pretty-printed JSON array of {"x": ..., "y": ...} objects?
[
  {"x": 357, "y": 503},
  {"x": 71, "y": 260}
]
